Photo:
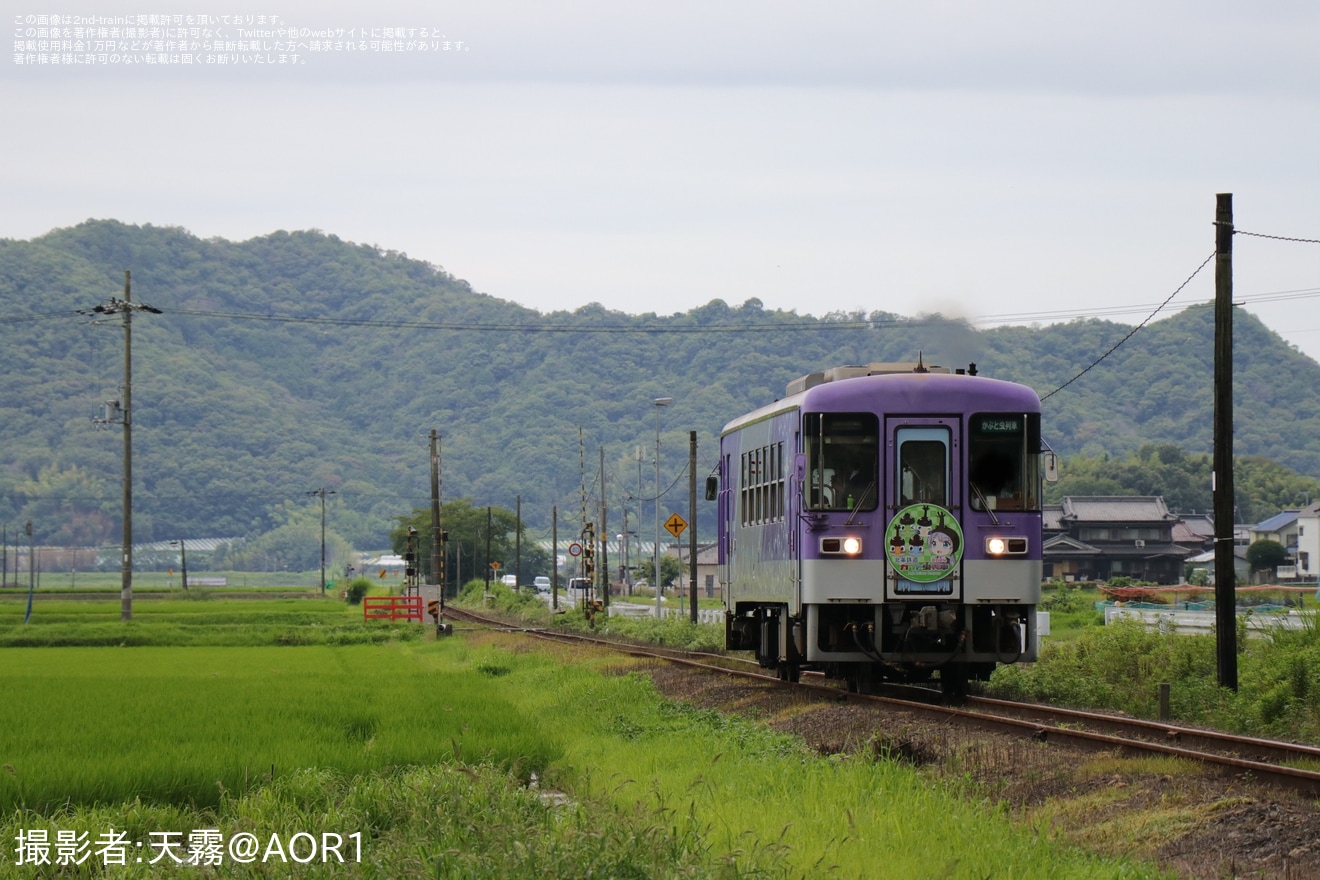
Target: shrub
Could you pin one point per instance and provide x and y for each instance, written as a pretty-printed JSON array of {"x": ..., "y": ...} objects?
[
  {"x": 522, "y": 604},
  {"x": 357, "y": 589}
]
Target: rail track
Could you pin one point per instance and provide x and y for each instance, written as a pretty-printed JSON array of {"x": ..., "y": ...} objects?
[{"x": 1270, "y": 762}]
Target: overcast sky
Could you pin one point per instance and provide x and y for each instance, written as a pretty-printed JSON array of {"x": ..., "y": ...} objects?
[{"x": 1007, "y": 162}]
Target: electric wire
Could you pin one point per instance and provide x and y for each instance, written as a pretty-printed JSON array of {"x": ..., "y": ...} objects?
[
  {"x": 805, "y": 323},
  {"x": 1276, "y": 237},
  {"x": 1148, "y": 319},
  {"x": 531, "y": 327}
]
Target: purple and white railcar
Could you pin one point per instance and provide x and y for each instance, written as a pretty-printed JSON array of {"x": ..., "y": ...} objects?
[{"x": 883, "y": 522}]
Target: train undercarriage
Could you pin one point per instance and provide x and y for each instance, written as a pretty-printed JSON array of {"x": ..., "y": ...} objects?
[{"x": 921, "y": 642}]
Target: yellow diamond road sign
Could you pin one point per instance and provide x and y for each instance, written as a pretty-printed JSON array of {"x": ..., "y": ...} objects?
[{"x": 675, "y": 525}]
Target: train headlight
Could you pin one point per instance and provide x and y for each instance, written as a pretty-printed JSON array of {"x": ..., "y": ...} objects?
[
  {"x": 846, "y": 546},
  {"x": 996, "y": 546}
]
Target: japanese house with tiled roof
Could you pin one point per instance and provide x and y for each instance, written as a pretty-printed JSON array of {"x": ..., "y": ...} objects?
[{"x": 1111, "y": 536}]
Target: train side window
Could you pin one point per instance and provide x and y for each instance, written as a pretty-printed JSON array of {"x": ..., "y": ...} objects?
[
  {"x": 761, "y": 485},
  {"x": 923, "y": 466}
]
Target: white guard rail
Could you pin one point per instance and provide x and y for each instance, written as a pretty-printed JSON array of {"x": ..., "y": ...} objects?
[{"x": 1203, "y": 622}]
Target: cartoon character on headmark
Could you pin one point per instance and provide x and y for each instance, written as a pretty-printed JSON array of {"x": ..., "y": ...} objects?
[
  {"x": 924, "y": 524},
  {"x": 941, "y": 544}
]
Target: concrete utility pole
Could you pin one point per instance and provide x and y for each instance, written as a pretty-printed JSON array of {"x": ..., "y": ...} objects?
[
  {"x": 659, "y": 590},
  {"x": 437, "y": 533},
  {"x": 117, "y": 414},
  {"x": 183, "y": 559},
  {"x": 323, "y": 491},
  {"x": 32, "y": 571},
  {"x": 604, "y": 533},
  {"x": 692, "y": 523},
  {"x": 554, "y": 556},
  {"x": 1225, "y": 571}
]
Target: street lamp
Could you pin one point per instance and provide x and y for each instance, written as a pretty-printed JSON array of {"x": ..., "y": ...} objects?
[
  {"x": 659, "y": 590},
  {"x": 623, "y": 540},
  {"x": 322, "y": 492}
]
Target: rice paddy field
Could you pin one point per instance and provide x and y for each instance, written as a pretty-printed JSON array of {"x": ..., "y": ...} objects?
[{"x": 338, "y": 748}]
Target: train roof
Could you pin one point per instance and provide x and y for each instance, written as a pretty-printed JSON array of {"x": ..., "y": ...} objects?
[
  {"x": 899, "y": 388},
  {"x": 875, "y": 368}
]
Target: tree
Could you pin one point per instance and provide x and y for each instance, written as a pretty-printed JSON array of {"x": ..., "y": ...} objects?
[
  {"x": 670, "y": 569},
  {"x": 1266, "y": 555},
  {"x": 466, "y": 526},
  {"x": 66, "y": 506},
  {"x": 294, "y": 546}
]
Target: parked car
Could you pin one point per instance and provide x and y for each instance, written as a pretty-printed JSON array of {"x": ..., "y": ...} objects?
[{"x": 510, "y": 580}]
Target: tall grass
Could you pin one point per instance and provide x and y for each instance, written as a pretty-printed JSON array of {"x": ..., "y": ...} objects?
[
  {"x": 532, "y": 609},
  {"x": 443, "y": 821},
  {"x": 1121, "y": 666},
  {"x": 747, "y": 792},
  {"x": 1071, "y": 609}
]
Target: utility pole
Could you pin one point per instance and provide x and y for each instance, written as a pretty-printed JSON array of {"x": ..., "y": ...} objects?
[
  {"x": 604, "y": 536},
  {"x": 323, "y": 491},
  {"x": 1225, "y": 573},
  {"x": 659, "y": 591},
  {"x": 692, "y": 523},
  {"x": 437, "y": 533},
  {"x": 32, "y": 571},
  {"x": 183, "y": 559},
  {"x": 117, "y": 414},
  {"x": 625, "y": 575}
]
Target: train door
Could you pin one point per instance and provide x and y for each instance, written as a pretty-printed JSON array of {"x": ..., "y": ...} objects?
[{"x": 923, "y": 538}]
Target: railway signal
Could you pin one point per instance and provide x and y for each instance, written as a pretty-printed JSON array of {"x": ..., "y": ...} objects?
[{"x": 589, "y": 553}]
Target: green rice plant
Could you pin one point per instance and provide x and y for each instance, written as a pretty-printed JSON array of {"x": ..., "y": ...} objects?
[
  {"x": 179, "y": 622},
  {"x": 170, "y": 725}
]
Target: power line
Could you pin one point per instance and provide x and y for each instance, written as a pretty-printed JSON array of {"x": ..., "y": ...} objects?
[
  {"x": 1276, "y": 237},
  {"x": 1149, "y": 318},
  {"x": 25, "y": 319},
  {"x": 1136, "y": 308},
  {"x": 529, "y": 327},
  {"x": 802, "y": 324}
]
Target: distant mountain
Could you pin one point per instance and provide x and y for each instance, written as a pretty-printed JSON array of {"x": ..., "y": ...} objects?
[{"x": 296, "y": 361}]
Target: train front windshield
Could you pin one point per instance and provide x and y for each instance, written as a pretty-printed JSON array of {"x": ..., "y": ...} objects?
[
  {"x": 843, "y": 450},
  {"x": 1003, "y": 456}
]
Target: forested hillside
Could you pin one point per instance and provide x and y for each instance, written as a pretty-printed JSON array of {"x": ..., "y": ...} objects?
[{"x": 297, "y": 361}]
